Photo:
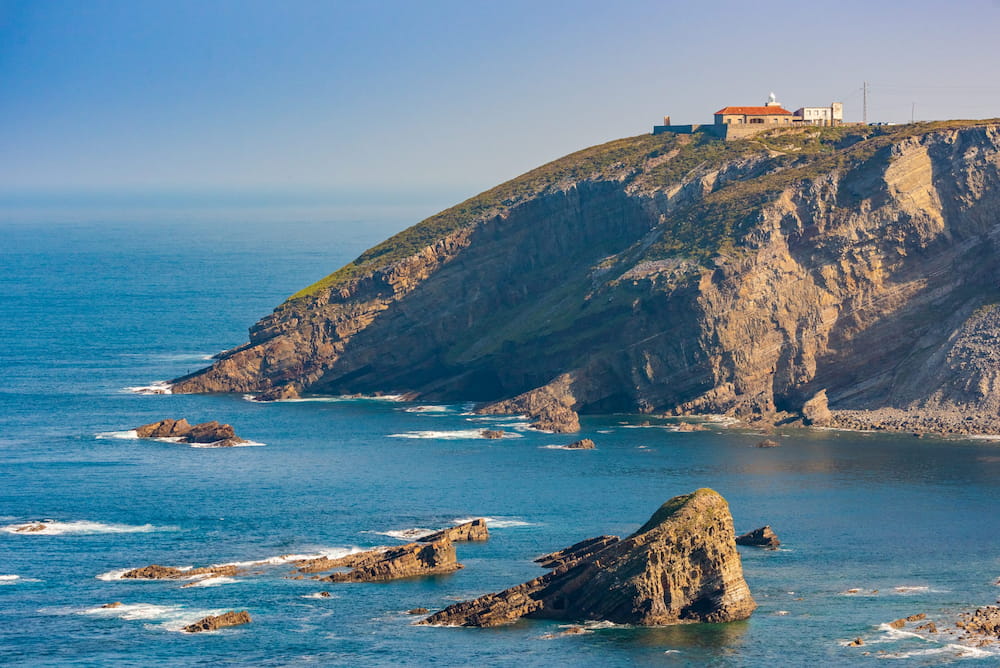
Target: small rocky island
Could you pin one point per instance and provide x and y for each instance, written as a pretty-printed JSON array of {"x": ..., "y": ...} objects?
[
  {"x": 206, "y": 433},
  {"x": 681, "y": 566}
]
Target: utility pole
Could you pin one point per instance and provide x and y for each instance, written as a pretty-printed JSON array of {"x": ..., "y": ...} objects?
[{"x": 864, "y": 104}]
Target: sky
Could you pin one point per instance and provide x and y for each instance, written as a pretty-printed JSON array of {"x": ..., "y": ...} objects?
[{"x": 294, "y": 106}]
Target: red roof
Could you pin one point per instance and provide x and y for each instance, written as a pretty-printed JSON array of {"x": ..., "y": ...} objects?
[{"x": 755, "y": 111}]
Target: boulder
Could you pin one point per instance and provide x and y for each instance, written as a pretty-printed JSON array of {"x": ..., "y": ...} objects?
[
  {"x": 417, "y": 611},
  {"x": 681, "y": 566},
  {"x": 116, "y": 604},
  {"x": 213, "y": 622},
  {"x": 691, "y": 426},
  {"x": 31, "y": 528},
  {"x": 983, "y": 623},
  {"x": 816, "y": 411},
  {"x": 582, "y": 444},
  {"x": 324, "y": 594},
  {"x": 857, "y": 642},
  {"x": 762, "y": 537},
  {"x": 768, "y": 443},
  {"x": 282, "y": 393},
  {"x": 898, "y": 623},
  {"x": 164, "y": 429},
  {"x": 474, "y": 531},
  {"x": 211, "y": 432},
  {"x": 491, "y": 433},
  {"x": 393, "y": 563}
]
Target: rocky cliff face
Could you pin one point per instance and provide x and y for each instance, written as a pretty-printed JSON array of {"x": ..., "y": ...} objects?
[
  {"x": 676, "y": 274},
  {"x": 681, "y": 566}
]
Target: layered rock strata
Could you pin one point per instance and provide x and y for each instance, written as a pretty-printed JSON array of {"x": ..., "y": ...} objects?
[
  {"x": 474, "y": 531},
  {"x": 215, "y": 622},
  {"x": 681, "y": 566},
  {"x": 392, "y": 563},
  {"x": 678, "y": 275}
]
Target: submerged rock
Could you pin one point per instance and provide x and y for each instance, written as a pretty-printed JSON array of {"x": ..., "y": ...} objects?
[
  {"x": 768, "y": 443},
  {"x": 31, "y": 528},
  {"x": 474, "y": 531},
  {"x": 116, "y": 604},
  {"x": 762, "y": 537},
  {"x": 393, "y": 563},
  {"x": 213, "y": 622},
  {"x": 582, "y": 444},
  {"x": 681, "y": 566},
  {"x": 417, "y": 611},
  {"x": 214, "y": 432},
  {"x": 491, "y": 433}
]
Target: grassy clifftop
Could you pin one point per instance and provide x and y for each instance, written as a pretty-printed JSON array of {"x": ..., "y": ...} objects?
[{"x": 660, "y": 161}]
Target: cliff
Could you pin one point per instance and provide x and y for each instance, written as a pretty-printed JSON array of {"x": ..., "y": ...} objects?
[{"x": 678, "y": 274}]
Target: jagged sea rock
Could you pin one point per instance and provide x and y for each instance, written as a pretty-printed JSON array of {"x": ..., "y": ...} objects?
[
  {"x": 491, "y": 433},
  {"x": 474, "y": 531},
  {"x": 214, "y": 622},
  {"x": 582, "y": 444},
  {"x": 214, "y": 432},
  {"x": 681, "y": 566},
  {"x": 157, "y": 572},
  {"x": 983, "y": 624},
  {"x": 391, "y": 563},
  {"x": 762, "y": 537}
]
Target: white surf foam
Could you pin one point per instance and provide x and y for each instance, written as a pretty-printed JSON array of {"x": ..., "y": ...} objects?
[
  {"x": 210, "y": 581},
  {"x": 14, "y": 579},
  {"x": 560, "y": 447},
  {"x": 319, "y": 595},
  {"x": 156, "y": 387},
  {"x": 454, "y": 435},
  {"x": 331, "y": 553},
  {"x": 409, "y": 535},
  {"x": 495, "y": 522},
  {"x": 171, "y": 617},
  {"x": 129, "y": 434},
  {"x": 427, "y": 409},
  {"x": 81, "y": 527},
  {"x": 217, "y": 444}
]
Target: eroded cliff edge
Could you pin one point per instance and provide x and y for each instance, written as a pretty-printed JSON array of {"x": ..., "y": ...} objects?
[{"x": 678, "y": 274}]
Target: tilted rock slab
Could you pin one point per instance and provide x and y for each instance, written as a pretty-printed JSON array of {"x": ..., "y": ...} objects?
[
  {"x": 474, "y": 531},
  {"x": 681, "y": 566},
  {"x": 213, "y": 622},
  {"x": 405, "y": 561},
  {"x": 762, "y": 537}
]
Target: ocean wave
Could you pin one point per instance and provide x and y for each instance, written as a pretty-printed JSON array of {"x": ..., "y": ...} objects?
[
  {"x": 171, "y": 617},
  {"x": 409, "y": 535},
  {"x": 560, "y": 447},
  {"x": 81, "y": 527},
  {"x": 156, "y": 387},
  {"x": 320, "y": 595},
  {"x": 245, "y": 444},
  {"x": 14, "y": 579},
  {"x": 496, "y": 522},
  {"x": 210, "y": 581},
  {"x": 327, "y": 399},
  {"x": 427, "y": 409},
  {"x": 454, "y": 435},
  {"x": 133, "y": 435},
  {"x": 128, "y": 434}
]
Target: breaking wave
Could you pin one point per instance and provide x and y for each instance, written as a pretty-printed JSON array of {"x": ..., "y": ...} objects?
[
  {"x": 80, "y": 527},
  {"x": 156, "y": 387},
  {"x": 454, "y": 435},
  {"x": 171, "y": 617}
]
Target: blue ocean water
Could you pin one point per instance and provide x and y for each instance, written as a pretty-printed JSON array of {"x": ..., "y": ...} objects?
[{"x": 88, "y": 310}]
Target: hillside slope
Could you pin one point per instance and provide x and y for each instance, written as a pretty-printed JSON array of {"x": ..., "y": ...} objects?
[{"x": 678, "y": 274}]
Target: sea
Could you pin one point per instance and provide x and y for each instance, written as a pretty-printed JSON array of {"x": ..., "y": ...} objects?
[{"x": 874, "y": 527}]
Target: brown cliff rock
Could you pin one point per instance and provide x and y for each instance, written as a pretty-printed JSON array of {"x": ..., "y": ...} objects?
[
  {"x": 392, "y": 563},
  {"x": 474, "y": 531},
  {"x": 164, "y": 429},
  {"x": 212, "y": 623},
  {"x": 860, "y": 261},
  {"x": 762, "y": 537},
  {"x": 576, "y": 552},
  {"x": 816, "y": 411},
  {"x": 681, "y": 566}
]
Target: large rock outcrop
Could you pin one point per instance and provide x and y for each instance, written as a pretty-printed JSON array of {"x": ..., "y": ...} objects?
[
  {"x": 472, "y": 531},
  {"x": 681, "y": 275},
  {"x": 681, "y": 566},
  {"x": 213, "y": 433},
  {"x": 215, "y": 622}
]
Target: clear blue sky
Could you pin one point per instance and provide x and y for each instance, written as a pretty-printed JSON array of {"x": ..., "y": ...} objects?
[{"x": 439, "y": 99}]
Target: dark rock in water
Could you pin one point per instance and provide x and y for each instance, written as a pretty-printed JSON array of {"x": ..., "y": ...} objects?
[
  {"x": 324, "y": 594},
  {"x": 379, "y": 565},
  {"x": 31, "y": 528},
  {"x": 857, "y": 642},
  {"x": 898, "y": 623},
  {"x": 575, "y": 553},
  {"x": 283, "y": 393},
  {"x": 116, "y": 604},
  {"x": 681, "y": 566},
  {"x": 582, "y": 444},
  {"x": 816, "y": 411},
  {"x": 917, "y": 617},
  {"x": 691, "y": 426},
  {"x": 768, "y": 443},
  {"x": 220, "y": 435},
  {"x": 474, "y": 531},
  {"x": 211, "y": 623},
  {"x": 491, "y": 433},
  {"x": 930, "y": 627},
  {"x": 762, "y": 537},
  {"x": 157, "y": 572},
  {"x": 417, "y": 611}
]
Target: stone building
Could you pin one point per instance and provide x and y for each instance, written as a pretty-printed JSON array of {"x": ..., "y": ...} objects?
[
  {"x": 770, "y": 114},
  {"x": 740, "y": 122},
  {"x": 832, "y": 115}
]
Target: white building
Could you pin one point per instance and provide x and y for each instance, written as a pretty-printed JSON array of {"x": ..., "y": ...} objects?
[{"x": 832, "y": 115}]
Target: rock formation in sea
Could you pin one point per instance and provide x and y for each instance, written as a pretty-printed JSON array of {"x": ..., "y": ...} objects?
[
  {"x": 491, "y": 433},
  {"x": 681, "y": 566},
  {"x": 582, "y": 444},
  {"x": 678, "y": 274},
  {"x": 472, "y": 531},
  {"x": 762, "y": 537},
  {"x": 219, "y": 435},
  {"x": 214, "y": 622},
  {"x": 157, "y": 572},
  {"x": 391, "y": 563}
]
